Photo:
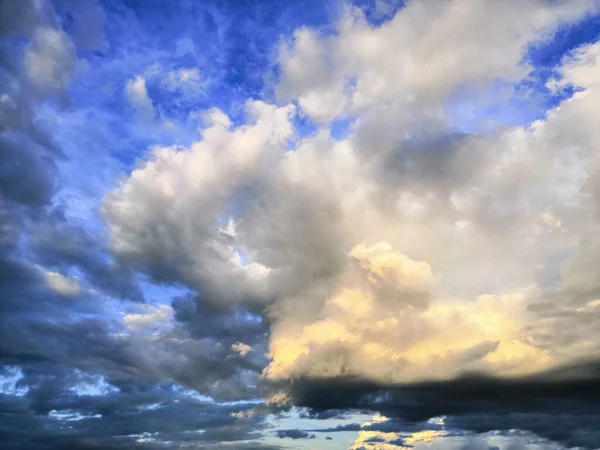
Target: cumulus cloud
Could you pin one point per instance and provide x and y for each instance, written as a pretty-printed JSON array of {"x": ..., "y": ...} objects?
[
  {"x": 421, "y": 56},
  {"x": 224, "y": 165},
  {"x": 393, "y": 329},
  {"x": 410, "y": 251},
  {"x": 415, "y": 266},
  {"x": 325, "y": 236}
]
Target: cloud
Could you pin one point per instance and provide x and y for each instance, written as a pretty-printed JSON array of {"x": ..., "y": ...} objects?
[
  {"x": 187, "y": 81},
  {"x": 80, "y": 362},
  {"x": 413, "y": 266},
  {"x": 421, "y": 56},
  {"x": 332, "y": 218},
  {"x": 108, "y": 420},
  {"x": 389, "y": 328},
  {"x": 87, "y": 26},
  {"x": 578, "y": 69},
  {"x": 49, "y": 58},
  {"x": 150, "y": 317},
  {"x": 294, "y": 434},
  {"x": 531, "y": 403},
  {"x": 241, "y": 348},
  {"x": 409, "y": 251},
  {"x": 137, "y": 96},
  {"x": 63, "y": 285},
  {"x": 233, "y": 157}
]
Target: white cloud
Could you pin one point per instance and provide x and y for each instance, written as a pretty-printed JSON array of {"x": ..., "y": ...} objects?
[
  {"x": 182, "y": 76},
  {"x": 241, "y": 348},
  {"x": 209, "y": 175},
  {"x": 446, "y": 439},
  {"x": 151, "y": 318},
  {"x": 137, "y": 96},
  {"x": 580, "y": 69},
  {"x": 185, "y": 80},
  {"x": 68, "y": 287},
  {"x": 421, "y": 56},
  {"x": 409, "y": 250}
]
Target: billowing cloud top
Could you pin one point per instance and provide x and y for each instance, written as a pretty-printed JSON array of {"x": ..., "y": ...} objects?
[
  {"x": 396, "y": 211},
  {"x": 409, "y": 250}
]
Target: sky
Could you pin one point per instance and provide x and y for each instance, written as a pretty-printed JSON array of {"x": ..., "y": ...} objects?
[{"x": 299, "y": 224}]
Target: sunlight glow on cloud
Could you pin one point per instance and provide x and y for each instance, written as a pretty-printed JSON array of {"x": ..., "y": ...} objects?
[{"x": 376, "y": 304}]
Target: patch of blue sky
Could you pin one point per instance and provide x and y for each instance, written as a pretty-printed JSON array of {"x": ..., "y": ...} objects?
[
  {"x": 9, "y": 381},
  {"x": 244, "y": 256},
  {"x": 303, "y": 126},
  {"x": 192, "y": 394},
  {"x": 377, "y": 12},
  {"x": 160, "y": 293},
  {"x": 71, "y": 416},
  {"x": 230, "y": 43},
  {"x": 546, "y": 56},
  {"x": 342, "y": 127},
  {"x": 486, "y": 109},
  {"x": 228, "y": 47},
  {"x": 295, "y": 420},
  {"x": 94, "y": 386}
]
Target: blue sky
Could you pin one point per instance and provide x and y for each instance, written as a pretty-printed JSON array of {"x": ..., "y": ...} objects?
[{"x": 264, "y": 224}]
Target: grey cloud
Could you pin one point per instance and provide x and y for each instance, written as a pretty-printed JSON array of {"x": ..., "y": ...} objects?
[
  {"x": 60, "y": 244},
  {"x": 86, "y": 23},
  {"x": 141, "y": 415},
  {"x": 538, "y": 403},
  {"x": 292, "y": 220},
  {"x": 294, "y": 434},
  {"x": 59, "y": 343},
  {"x": 478, "y": 351}
]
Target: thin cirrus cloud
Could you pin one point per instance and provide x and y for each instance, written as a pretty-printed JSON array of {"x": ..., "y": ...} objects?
[{"x": 366, "y": 225}]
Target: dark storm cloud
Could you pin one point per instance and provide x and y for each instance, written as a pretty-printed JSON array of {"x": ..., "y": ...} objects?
[
  {"x": 87, "y": 380},
  {"x": 143, "y": 415},
  {"x": 294, "y": 434},
  {"x": 37, "y": 324},
  {"x": 90, "y": 344},
  {"x": 46, "y": 346},
  {"x": 59, "y": 244},
  {"x": 205, "y": 319},
  {"x": 560, "y": 405},
  {"x": 64, "y": 348},
  {"x": 323, "y": 415}
]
